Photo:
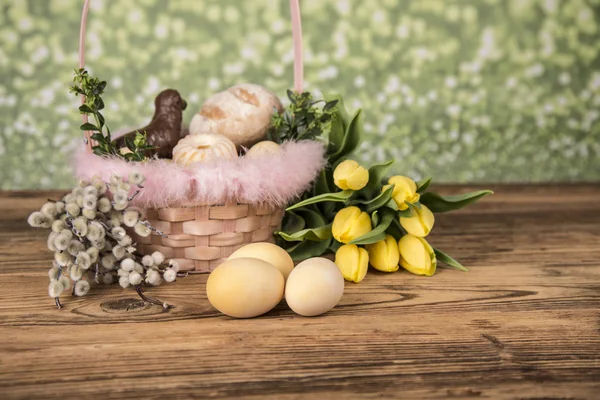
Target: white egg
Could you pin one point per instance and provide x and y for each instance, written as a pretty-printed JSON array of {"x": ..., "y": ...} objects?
[
  {"x": 245, "y": 287},
  {"x": 314, "y": 287}
]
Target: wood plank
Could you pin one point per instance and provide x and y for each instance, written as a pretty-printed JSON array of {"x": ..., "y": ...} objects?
[{"x": 523, "y": 323}]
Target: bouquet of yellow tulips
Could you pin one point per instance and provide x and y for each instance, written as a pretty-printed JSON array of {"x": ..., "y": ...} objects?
[{"x": 364, "y": 218}]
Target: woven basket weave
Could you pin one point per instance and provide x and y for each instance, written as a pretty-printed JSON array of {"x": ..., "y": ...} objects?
[{"x": 202, "y": 237}]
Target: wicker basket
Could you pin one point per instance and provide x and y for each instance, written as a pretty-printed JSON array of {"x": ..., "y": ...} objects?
[{"x": 202, "y": 237}]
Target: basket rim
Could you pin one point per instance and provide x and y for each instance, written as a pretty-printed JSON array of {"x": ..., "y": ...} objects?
[{"x": 273, "y": 179}]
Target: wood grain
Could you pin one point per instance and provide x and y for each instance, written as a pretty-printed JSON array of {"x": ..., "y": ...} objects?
[{"x": 524, "y": 323}]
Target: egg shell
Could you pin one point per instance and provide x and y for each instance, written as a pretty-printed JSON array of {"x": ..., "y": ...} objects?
[
  {"x": 245, "y": 287},
  {"x": 314, "y": 287},
  {"x": 263, "y": 148},
  {"x": 268, "y": 252}
]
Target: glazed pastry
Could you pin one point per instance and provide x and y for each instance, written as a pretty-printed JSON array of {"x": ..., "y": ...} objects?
[
  {"x": 263, "y": 148},
  {"x": 203, "y": 148},
  {"x": 242, "y": 113}
]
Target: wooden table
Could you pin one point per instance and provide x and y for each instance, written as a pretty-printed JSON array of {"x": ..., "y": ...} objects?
[{"x": 524, "y": 323}]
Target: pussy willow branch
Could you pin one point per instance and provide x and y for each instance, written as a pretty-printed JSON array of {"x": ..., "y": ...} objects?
[{"x": 150, "y": 300}]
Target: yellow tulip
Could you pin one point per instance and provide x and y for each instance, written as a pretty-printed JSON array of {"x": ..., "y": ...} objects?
[
  {"x": 420, "y": 224},
  {"x": 384, "y": 255},
  {"x": 350, "y": 175},
  {"x": 350, "y": 223},
  {"x": 353, "y": 262},
  {"x": 416, "y": 255},
  {"x": 405, "y": 189}
]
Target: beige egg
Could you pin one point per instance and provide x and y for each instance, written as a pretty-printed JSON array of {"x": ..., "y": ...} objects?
[
  {"x": 242, "y": 113},
  {"x": 245, "y": 287},
  {"x": 268, "y": 252},
  {"x": 203, "y": 148},
  {"x": 263, "y": 148},
  {"x": 314, "y": 287}
]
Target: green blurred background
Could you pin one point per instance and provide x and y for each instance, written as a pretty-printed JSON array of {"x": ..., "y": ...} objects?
[{"x": 464, "y": 90}]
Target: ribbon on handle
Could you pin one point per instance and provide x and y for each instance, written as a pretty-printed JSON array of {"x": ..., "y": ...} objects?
[{"x": 297, "y": 39}]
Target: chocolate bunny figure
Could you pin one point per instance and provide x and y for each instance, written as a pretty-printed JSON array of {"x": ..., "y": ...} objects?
[{"x": 164, "y": 129}]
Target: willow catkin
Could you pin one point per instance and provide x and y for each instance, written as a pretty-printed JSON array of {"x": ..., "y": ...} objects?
[{"x": 81, "y": 288}]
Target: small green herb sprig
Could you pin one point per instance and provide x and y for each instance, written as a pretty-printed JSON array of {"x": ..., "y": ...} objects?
[
  {"x": 305, "y": 118},
  {"x": 137, "y": 148},
  {"x": 93, "y": 88}
]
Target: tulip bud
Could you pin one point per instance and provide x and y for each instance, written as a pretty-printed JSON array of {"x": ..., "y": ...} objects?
[
  {"x": 405, "y": 189},
  {"x": 384, "y": 255},
  {"x": 350, "y": 175},
  {"x": 416, "y": 255},
  {"x": 350, "y": 223},
  {"x": 353, "y": 262},
  {"x": 420, "y": 224}
]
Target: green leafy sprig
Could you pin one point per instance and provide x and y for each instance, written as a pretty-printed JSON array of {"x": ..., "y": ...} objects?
[
  {"x": 137, "y": 148},
  {"x": 304, "y": 118},
  {"x": 92, "y": 89}
]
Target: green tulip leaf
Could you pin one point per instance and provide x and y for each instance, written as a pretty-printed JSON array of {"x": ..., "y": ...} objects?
[
  {"x": 376, "y": 174},
  {"x": 405, "y": 213},
  {"x": 449, "y": 261},
  {"x": 321, "y": 185},
  {"x": 375, "y": 218},
  {"x": 369, "y": 238},
  {"x": 308, "y": 249},
  {"x": 290, "y": 248},
  {"x": 336, "y": 135},
  {"x": 329, "y": 210},
  {"x": 352, "y": 137},
  {"x": 413, "y": 207},
  {"x": 312, "y": 234},
  {"x": 380, "y": 201},
  {"x": 339, "y": 197},
  {"x": 316, "y": 239},
  {"x": 335, "y": 245},
  {"x": 317, "y": 228},
  {"x": 339, "y": 123},
  {"x": 395, "y": 229},
  {"x": 423, "y": 185},
  {"x": 292, "y": 222},
  {"x": 438, "y": 203},
  {"x": 314, "y": 219},
  {"x": 378, "y": 233},
  {"x": 340, "y": 108},
  {"x": 392, "y": 204},
  {"x": 375, "y": 203}
]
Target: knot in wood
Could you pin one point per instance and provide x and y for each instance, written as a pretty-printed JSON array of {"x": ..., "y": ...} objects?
[{"x": 124, "y": 305}]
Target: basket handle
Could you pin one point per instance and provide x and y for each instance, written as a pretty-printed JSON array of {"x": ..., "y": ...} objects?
[{"x": 296, "y": 35}]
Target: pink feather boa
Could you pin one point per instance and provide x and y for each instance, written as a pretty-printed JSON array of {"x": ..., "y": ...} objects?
[{"x": 273, "y": 180}]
